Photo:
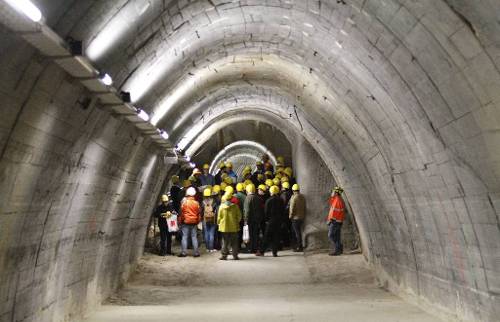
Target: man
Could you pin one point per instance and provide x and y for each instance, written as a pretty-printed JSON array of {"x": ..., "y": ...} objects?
[
  {"x": 218, "y": 176},
  {"x": 253, "y": 212},
  {"x": 335, "y": 219},
  {"x": 228, "y": 219},
  {"x": 240, "y": 195},
  {"x": 267, "y": 163},
  {"x": 162, "y": 213},
  {"x": 231, "y": 173},
  {"x": 206, "y": 178},
  {"x": 297, "y": 213},
  {"x": 288, "y": 236},
  {"x": 189, "y": 219},
  {"x": 274, "y": 211},
  {"x": 175, "y": 193},
  {"x": 209, "y": 209},
  {"x": 258, "y": 171}
]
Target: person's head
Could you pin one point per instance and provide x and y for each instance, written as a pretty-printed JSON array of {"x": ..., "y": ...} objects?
[
  {"x": 223, "y": 186},
  {"x": 276, "y": 182},
  {"x": 227, "y": 198},
  {"x": 265, "y": 158},
  {"x": 274, "y": 190},
  {"x": 175, "y": 179},
  {"x": 259, "y": 165},
  {"x": 260, "y": 177},
  {"x": 285, "y": 185},
  {"x": 262, "y": 189},
  {"x": 229, "y": 166},
  {"x": 337, "y": 190},
  {"x": 191, "y": 192},
  {"x": 229, "y": 190},
  {"x": 268, "y": 174},
  {"x": 192, "y": 180},
  {"x": 228, "y": 180},
  {"x": 269, "y": 182},
  {"x": 250, "y": 188},
  {"x": 216, "y": 190},
  {"x": 281, "y": 160},
  {"x": 295, "y": 188},
  {"x": 186, "y": 183},
  {"x": 284, "y": 179},
  {"x": 206, "y": 168},
  {"x": 207, "y": 193},
  {"x": 268, "y": 166},
  {"x": 164, "y": 198},
  {"x": 222, "y": 166},
  {"x": 196, "y": 172},
  {"x": 240, "y": 187},
  {"x": 289, "y": 172}
]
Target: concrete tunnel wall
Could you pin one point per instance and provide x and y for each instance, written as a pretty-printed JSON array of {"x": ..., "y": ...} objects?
[{"x": 399, "y": 98}]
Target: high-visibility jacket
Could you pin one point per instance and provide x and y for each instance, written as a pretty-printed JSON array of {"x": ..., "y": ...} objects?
[
  {"x": 337, "y": 209},
  {"x": 190, "y": 211}
]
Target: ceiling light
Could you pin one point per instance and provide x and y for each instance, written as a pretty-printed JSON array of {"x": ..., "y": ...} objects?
[
  {"x": 142, "y": 115},
  {"x": 192, "y": 165},
  {"x": 105, "y": 79},
  {"x": 164, "y": 134},
  {"x": 26, "y": 7}
]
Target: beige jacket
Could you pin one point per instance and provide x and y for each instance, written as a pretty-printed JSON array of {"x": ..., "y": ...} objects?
[{"x": 297, "y": 207}]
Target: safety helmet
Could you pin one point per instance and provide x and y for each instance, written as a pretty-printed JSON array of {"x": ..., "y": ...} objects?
[
  {"x": 286, "y": 185},
  {"x": 228, "y": 180},
  {"x": 260, "y": 177},
  {"x": 239, "y": 187},
  {"x": 248, "y": 168},
  {"x": 186, "y": 183},
  {"x": 245, "y": 173},
  {"x": 216, "y": 189},
  {"x": 164, "y": 198},
  {"x": 175, "y": 179},
  {"x": 278, "y": 176},
  {"x": 222, "y": 165},
  {"x": 191, "y": 192},
  {"x": 276, "y": 181},
  {"x": 289, "y": 172},
  {"x": 224, "y": 176},
  {"x": 229, "y": 190},
  {"x": 247, "y": 182},
  {"x": 338, "y": 189},
  {"x": 223, "y": 186},
  {"x": 274, "y": 190},
  {"x": 207, "y": 192},
  {"x": 206, "y": 166},
  {"x": 262, "y": 187},
  {"x": 229, "y": 165},
  {"x": 250, "y": 188},
  {"x": 295, "y": 187},
  {"x": 281, "y": 159},
  {"x": 285, "y": 179},
  {"x": 269, "y": 182},
  {"x": 268, "y": 173},
  {"x": 196, "y": 171},
  {"x": 258, "y": 163},
  {"x": 192, "y": 179}
]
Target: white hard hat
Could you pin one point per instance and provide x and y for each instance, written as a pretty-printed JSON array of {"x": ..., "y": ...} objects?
[{"x": 191, "y": 192}]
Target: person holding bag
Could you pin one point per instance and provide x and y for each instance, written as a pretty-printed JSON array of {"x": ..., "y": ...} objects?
[{"x": 163, "y": 212}]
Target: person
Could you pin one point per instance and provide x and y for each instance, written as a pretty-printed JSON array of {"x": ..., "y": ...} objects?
[
  {"x": 175, "y": 193},
  {"x": 206, "y": 178},
  {"x": 209, "y": 209},
  {"x": 218, "y": 176},
  {"x": 335, "y": 219},
  {"x": 274, "y": 211},
  {"x": 297, "y": 214},
  {"x": 267, "y": 163},
  {"x": 190, "y": 218},
  {"x": 162, "y": 213},
  {"x": 258, "y": 171},
  {"x": 228, "y": 219},
  {"x": 287, "y": 234},
  {"x": 281, "y": 160},
  {"x": 231, "y": 173},
  {"x": 240, "y": 195},
  {"x": 253, "y": 213}
]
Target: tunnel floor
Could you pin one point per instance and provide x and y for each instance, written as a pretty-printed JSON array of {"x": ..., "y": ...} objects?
[{"x": 292, "y": 287}]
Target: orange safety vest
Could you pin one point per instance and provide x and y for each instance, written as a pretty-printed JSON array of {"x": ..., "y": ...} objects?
[{"x": 337, "y": 209}]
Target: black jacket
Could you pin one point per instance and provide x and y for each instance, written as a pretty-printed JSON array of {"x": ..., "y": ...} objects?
[
  {"x": 162, "y": 209},
  {"x": 253, "y": 209},
  {"x": 176, "y": 197},
  {"x": 274, "y": 211}
]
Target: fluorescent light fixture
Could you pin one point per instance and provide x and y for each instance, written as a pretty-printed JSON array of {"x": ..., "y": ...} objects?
[
  {"x": 142, "y": 115},
  {"x": 192, "y": 165},
  {"x": 106, "y": 79},
  {"x": 164, "y": 134},
  {"x": 188, "y": 158},
  {"x": 26, "y": 7}
]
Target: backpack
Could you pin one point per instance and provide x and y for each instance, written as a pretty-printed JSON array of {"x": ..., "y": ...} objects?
[{"x": 209, "y": 212}]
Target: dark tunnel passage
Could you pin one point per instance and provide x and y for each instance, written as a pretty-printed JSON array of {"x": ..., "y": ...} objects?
[{"x": 396, "y": 101}]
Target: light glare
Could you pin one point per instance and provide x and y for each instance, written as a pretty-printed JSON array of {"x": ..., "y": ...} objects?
[
  {"x": 26, "y": 7},
  {"x": 164, "y": 135},
  {"x": 142, "y": 115},
  {"x": 106, "y": 80}
]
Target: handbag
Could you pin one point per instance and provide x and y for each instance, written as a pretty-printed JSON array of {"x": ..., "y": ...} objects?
[
  {"x": 246, "y": 234},
  {"x": 172, "y": 224}
]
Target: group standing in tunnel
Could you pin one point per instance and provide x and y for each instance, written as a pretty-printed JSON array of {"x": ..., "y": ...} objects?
[{"x": 261, "y": 210}]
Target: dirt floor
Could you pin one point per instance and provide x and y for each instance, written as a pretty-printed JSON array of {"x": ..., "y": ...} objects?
[{"x": 292, "y": 287}]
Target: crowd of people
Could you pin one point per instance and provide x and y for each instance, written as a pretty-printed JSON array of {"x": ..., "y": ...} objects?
[{"x": 262, "y": 210}]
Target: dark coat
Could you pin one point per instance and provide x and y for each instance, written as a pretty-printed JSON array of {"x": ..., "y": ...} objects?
[
  {"x": 274, "y": 211},
  {"x": 253, "y": 209},
  {"x": 162, "y": 221}
]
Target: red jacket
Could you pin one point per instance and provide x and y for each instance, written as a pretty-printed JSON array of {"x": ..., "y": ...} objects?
[
  {"x": 337, "y": 209},
  {"x": 190, "y": 211}
]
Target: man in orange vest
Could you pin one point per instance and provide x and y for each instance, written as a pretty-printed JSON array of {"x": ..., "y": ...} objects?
[{"x": 335, "y": 220}]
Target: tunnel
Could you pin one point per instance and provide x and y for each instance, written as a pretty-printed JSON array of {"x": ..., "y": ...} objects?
[{"x": 397, "y": 101}]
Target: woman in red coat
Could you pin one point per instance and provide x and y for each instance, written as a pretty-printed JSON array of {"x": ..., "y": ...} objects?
[{"x": 335, "y": 219}]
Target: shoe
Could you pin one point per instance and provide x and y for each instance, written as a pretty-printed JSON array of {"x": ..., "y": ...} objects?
[
  {"x": 196, "y": 255},
  {"x": 223, "y": 258},
  {"x": 259, "y": 254},
  {"x": 236, "y": 258},
  {"x": 181, "y": 255},
  {"x": 296, "y": 250},
  {"x": 337, "y": 254},
  {"x": 275, "y": 255}
]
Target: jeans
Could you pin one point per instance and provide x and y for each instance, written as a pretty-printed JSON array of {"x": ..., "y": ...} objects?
[
  {"x": 297, "y": 229},
  {"x": 230, "y": 239},
  {"x": 189, "y": 230},
  {"x": 210, "y": 235},
  {"x": 334, "y": 236}
]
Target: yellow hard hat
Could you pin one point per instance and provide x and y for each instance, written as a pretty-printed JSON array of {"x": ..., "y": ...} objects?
[
  {"x": 269, "y": 182},
  {"x": 175, "y": 179},
  {"x": 285, "y": 179},
  {"x": 206, "y": 166},
  {"x": 338, "y": 189},
  {"x": 278, "y": 176},
  {"x": 250, "y": 188},
  {"x": 229, "y": 190},
  {"x": 228, "y": 180},
  {"x": 286, "y": 185},
  {"x": 262, "y": 187},
  {"x": 248, "y": 168},
  {"x": 229, "y": 165},
  {"x": 224, "y": 176},
  {"x": 281, "y": 159},
  {"x": 239, "y": 187},
  {"x": 295, "y": 187},
  {"x": 192, "y": 179},
  {"x": 276, "y": 181},
  {"x": 164, "y": 198},
  {"x": 223, "y": 186},
  {"x": 207, "y": 192},
  {"x": 186, "y": 183},
  {"x": 260, "y": 177},
  {"x": 216, "y": 188},
  {"x": 274, "y": 190},
  {"x": 258, "y": 163},
  {"x": 268, "y": 173},
  {"x": 245, "y": 173},
  {"x": 247, "y": 182},
  {"x": 289, "y": 172},
  {"x": 222, "y": 165}
]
